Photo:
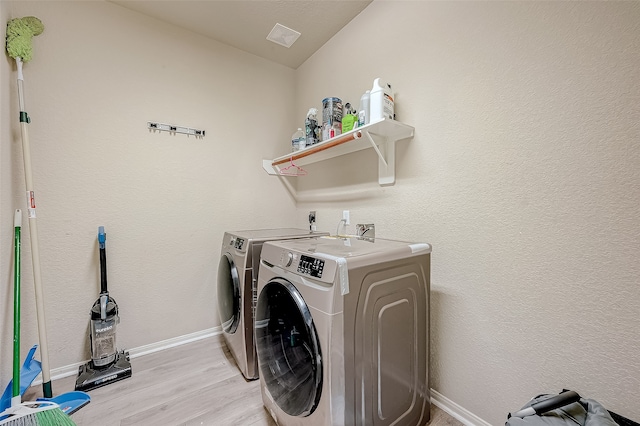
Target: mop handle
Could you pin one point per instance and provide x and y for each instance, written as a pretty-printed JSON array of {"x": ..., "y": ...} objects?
[{"x": 33, "y": 237}]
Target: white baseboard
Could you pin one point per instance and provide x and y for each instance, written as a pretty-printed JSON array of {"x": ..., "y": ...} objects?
[
  {"x": 176, "y": 341},
  {"x": 454, "y": 410},
  {"x": 72, "y": 369}
]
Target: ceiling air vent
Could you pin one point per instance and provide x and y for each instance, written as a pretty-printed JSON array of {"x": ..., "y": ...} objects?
[{"x": 282, "y": 35}]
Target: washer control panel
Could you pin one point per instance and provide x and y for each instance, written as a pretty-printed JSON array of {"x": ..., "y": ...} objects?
[
  {"x": 304, "y": 264},
  {"x": 311, "y": 266},
  {"x": 237, "y": 243}
]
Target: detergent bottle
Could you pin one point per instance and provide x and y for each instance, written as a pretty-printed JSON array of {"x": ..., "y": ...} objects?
[{"x": 381, "y": 101}]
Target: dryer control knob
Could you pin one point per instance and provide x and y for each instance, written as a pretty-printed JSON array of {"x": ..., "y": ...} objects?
[{"x": 289, "y": 259}]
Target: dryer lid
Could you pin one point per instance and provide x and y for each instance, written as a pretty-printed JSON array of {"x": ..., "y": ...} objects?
[{"x": 353, "y": 247}]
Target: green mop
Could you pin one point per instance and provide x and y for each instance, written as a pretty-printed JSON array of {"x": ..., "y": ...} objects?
[
  {"x": 19, "y": 35},
  {"x": 20, "y": 31}
]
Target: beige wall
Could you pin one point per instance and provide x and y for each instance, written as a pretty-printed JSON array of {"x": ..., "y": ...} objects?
[
  {"x": 523, "y": 174},
  {"x": 99, "y": 73}
]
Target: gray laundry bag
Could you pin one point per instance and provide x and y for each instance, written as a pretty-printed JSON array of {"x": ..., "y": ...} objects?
[{"x": 585, "y": 412}]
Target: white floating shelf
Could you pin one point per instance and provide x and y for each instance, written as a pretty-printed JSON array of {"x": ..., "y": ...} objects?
[{"x": 380, "y": 135}]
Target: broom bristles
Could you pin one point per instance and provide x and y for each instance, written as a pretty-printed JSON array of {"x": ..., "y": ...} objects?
[
  {"x": 40, "y": 413},
  {"x": 53, "y": 417}
]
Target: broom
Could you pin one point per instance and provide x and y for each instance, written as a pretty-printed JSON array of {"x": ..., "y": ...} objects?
[
  {"x": 20, "y": 31},
  {"x": 29, "y": 413}
]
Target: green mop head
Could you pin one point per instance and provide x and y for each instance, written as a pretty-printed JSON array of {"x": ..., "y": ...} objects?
[{"x": 20, "y": 31}]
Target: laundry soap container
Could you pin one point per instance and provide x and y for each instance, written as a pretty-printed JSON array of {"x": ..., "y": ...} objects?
[{"x": 381, "y": 103}]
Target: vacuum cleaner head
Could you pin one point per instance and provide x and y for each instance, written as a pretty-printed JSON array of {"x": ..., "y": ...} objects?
[{"x": 93, "y": 377}]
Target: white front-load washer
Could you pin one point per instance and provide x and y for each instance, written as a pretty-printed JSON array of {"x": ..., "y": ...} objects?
[
  {"x": 236, "y": 289},
  {"x": 342, "y": 332}
]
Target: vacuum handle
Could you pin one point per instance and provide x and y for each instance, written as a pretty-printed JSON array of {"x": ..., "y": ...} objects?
[
  {"x": 560, "y": 400},
  {"x": 102, "y": 240},
  {"x": 103, "y": 272}
]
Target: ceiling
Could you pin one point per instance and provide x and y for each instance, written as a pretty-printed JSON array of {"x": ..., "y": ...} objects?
[{"x": 245, "y": 24}]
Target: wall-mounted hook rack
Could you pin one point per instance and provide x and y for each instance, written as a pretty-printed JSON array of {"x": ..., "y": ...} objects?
[{"x": 175, "y": 129}]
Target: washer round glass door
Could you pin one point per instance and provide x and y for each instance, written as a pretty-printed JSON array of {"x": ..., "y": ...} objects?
[
  {"x": 288, "y": 348},
  {"x": 228, "y": 294}
]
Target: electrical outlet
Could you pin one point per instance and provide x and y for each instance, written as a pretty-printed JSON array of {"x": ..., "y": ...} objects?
[
  {"x": 345, "y": 217},
  {"x": 312, "y": 217}
]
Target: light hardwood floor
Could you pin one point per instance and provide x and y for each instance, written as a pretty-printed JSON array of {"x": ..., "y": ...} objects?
[{"x": 193, "y": 384}]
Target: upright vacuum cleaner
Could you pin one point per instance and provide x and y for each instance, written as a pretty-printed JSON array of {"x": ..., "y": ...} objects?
[{"x": 107, "y": 364}]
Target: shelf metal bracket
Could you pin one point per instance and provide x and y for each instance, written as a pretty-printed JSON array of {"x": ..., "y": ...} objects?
[
  {"x": 386, "y": 151},
  {"x": 373, "y": 144},
  {"x": 387, "y": 169}
]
